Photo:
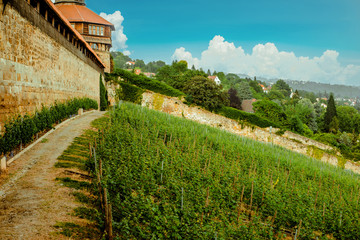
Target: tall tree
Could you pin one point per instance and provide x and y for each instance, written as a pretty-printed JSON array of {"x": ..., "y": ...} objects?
[
  {"x": 244, "y": 91},
  {"x": 235, "y": 101},
  {"x": 281, "y": 85},
  {"x": 330, "y": 112}
]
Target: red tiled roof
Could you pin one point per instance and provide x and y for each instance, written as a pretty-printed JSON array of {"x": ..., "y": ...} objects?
[
  {"x": 212, "y": 77},
  {"x": 78, "y": 13},
  {"x": 76, "y": 33}
]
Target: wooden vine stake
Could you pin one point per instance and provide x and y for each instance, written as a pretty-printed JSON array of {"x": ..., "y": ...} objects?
[{"x": 252, "y": 192}]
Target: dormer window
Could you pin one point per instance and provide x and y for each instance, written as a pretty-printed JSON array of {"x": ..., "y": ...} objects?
[{"x": 96, "y": 30}]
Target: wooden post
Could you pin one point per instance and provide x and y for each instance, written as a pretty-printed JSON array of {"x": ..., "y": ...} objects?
[
  {"x": 242, "y": 194},
  {"x": 38, "y": 6},
  {"x": 252, "y": 191},
  {"x": 46, "y": 15},
  {"x": 110, "y": 234},
  {"x": 299, "y": 228},
  {"x": 3, "y": 164}
]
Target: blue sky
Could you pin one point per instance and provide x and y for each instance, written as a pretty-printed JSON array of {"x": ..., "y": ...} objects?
[{"x": 155, "y": 29}]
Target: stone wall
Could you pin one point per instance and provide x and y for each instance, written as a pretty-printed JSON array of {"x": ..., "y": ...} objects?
[
  {"x": 38, "y": 65},
  {"x": 105, "y": 58},
  {"x": 288, "y": 140}
]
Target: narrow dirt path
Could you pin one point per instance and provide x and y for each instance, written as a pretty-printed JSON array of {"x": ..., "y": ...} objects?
[{"x": 31, "y": 201}]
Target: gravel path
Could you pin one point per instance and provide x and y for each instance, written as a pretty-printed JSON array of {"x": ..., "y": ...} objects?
[{"x": 31, "y": 201}]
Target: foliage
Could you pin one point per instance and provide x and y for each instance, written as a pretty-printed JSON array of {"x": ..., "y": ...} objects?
[
  {"x": 206, "y": 93},
  {"x": 330, "y": 113},
  {"x": 22, "y": 129},
  {"x": 271, "y": 111},
  {"x": 235, "y": 101},
  {"x": 103, "y": 96},
  {"x": 144, "y": 82},
  {"x": 334, "y": 125},
  {"x": 276, "y": 94},
  {"x": 177, "y": 75},
  {"x": 348, "y": 119},
  {"x": 243, "y": 89},
  {"x": 251, "y": 118},
  {"x": 283, "y": 87},
  {"x": 130, "y": 93},
  {"x": 120, "y": 59},
  {"x": 172, "y": 178}
]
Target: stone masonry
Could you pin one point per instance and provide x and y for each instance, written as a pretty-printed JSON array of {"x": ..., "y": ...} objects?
[{"x": 37, "y": 69}]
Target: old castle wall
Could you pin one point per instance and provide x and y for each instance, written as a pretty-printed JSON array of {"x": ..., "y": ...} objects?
[
  {"x": 38, "y": 65},
  {"x": 105, "y": 58},
  {"x": 288, "y": 140}
]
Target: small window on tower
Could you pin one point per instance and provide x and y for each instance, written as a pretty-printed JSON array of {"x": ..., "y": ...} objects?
[{"x": 94, "y": 46}]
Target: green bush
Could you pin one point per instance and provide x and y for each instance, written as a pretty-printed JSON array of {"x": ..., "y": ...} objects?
[
  {"x": 103, "y": 96},
  {"x": 239, "y": 115},
  {"x": 130, "y": 93},
  {"x": 22, "y": 129},
  {"x": 206, "y": 93},
  {"x": 144, "y": 82}
]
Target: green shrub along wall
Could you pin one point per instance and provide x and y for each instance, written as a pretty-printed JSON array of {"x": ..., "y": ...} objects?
[
  {"x": 251, "y": 118},
  {"x": 103, "y": 96},
  {"x": 130, "y": 93},
  {"x": 144, "y": 82},
  {"x": 22, "y": 129}
]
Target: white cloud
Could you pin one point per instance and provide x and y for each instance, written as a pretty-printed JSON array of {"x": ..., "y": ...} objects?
[
  {"x": 267, "y": 61},
  {"x": 126, "y": 52},
  {"x": 118, "y": 37}
]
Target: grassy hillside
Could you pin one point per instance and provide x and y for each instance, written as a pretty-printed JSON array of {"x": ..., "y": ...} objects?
[{"x": 172, "y": 178}]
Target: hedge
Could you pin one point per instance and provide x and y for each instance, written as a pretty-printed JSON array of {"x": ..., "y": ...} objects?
[
  {"x": 251, "y": 118},
  {"x": 22, "y": 129},
  {"x": 130, "y": 93},
  {"x": 145, "y": 83}
]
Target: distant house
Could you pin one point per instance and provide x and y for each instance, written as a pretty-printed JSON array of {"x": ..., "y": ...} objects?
[
  {"x": 247, "y": 105},
  {"x": 130, "y": 64},
  {"x": 265, "y": 89},
  {"x": 137, "y": 71},
  {"x": 215, "y": 79},
  {"x": 150, "y": 75}
]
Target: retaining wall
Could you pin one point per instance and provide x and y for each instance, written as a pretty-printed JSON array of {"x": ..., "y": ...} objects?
[
  {"x": 38, "y": 64},
  {"x": 289, "y": 140}
]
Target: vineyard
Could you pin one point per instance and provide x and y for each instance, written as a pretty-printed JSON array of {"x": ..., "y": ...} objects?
[{"x": 168, "y": 177}]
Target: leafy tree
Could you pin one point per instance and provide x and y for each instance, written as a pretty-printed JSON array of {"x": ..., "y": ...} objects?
[
  {"x": 334, "y": 125},
  {"x": 306, "y": 112},
  {"x": 271, "y": 111},
  {"x": 330, "y": 113},
  {"x": 347, "y": 118},
  {"x": 282, "y": 86},
  {"x": 208, "y": 72},
  {"x": 276, "y": 94},
  {"x": 120, "y": 59},
  {"x": 244, "y": 91},
  {"x": 295, "y": 124},
  {"x": 139, "y": 64},
  {"x": 255, "y": 85},
  {"x": 206, "y": 93},
  {"x": 235, "y": 101}
]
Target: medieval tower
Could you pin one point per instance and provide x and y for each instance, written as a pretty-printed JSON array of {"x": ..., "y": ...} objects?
[{"x": 95, "y": 29}]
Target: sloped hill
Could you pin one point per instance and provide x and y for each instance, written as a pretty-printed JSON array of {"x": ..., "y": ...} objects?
[{"x": 172, "y": 178}]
